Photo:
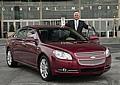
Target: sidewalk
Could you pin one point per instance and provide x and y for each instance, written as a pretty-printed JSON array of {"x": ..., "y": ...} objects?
[
  {"x": 2, "y": 41},
  {"x": 111, "y": 40},
  {"x": 116, "y": 56}
]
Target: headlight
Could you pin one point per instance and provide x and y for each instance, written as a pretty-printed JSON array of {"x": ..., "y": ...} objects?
[
  {"x": 107, "y": 52},
  {"x": 62, "y": 55}
]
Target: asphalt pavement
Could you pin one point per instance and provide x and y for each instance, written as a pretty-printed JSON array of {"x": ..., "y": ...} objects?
[{"x": 23, "y": 75}]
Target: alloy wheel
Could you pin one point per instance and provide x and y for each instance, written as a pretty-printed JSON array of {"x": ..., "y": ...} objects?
[
  {"x": 44, "y": 68},
  {"x": 9, "y": 58}
]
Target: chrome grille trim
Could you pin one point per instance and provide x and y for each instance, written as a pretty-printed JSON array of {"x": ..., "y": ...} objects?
[
  {"x": 88, "y": 54},
  {"x": 91, "y": 62},
  {"x": 85, "y": 58}
]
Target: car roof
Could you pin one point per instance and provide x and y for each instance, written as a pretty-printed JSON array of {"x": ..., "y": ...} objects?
[{"x": 47, "y": 26}]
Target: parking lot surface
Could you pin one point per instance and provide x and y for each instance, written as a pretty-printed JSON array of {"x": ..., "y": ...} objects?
[{"x": 23, "y": 75}]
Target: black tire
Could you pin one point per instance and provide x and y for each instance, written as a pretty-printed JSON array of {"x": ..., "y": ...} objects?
[
  {"x": 9, "y": 59},
  {"x": 44, "y": 68}
]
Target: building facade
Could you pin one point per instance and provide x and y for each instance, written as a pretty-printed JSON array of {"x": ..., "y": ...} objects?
[
  {"x": 27, "y": 12},
  {"x": 54, "y": 9}
]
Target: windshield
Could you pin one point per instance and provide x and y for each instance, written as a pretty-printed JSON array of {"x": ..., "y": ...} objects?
[{"x": 60, "y": 35}]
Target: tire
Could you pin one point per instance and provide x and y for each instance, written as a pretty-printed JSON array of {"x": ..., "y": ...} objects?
[
  {"x": 44, "y": 68},
  {"x": 9, "y": 59}
]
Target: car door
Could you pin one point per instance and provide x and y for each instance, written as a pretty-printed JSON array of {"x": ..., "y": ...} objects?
[
  {"x": 19, "y": 45},
  {"x": 31, "y": 48}
]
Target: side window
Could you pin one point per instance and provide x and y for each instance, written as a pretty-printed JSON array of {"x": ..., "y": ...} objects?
[
  {"x": 22, "y": 34},
  {"x": 32, "y": 33}
]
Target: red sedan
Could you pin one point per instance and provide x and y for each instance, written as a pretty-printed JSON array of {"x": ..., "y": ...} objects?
[{"x": 56, "y": 51}]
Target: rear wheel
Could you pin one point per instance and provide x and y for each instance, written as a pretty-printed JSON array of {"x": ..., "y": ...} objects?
[
  {"x": 9, "y": 59},
  {"x": 44, "y": 69}
]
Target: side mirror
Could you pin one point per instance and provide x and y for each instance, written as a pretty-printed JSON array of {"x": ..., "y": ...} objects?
[
  {"x": 94, "y": 38},
  {"x": 32, "y": 40}
]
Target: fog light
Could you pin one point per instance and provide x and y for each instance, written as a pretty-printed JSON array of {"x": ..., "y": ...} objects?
[
  {"x": 62, "y": 70},
  {"x": 67, "y": 70}
]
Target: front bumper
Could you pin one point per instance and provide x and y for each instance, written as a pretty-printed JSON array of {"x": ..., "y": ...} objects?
[{"x": 64, "y": 67}]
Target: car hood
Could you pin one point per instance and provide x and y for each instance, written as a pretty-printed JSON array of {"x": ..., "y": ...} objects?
[{"x": 76, "y": 46}]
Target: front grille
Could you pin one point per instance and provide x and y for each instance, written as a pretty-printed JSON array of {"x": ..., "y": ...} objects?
[
  {"x": 91, "y": 58},
  {"x": 92, "y": 62},
  {"x": 87, "y": 54}
]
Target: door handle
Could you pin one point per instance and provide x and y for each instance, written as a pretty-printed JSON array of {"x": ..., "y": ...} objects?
[
  {"x": 12, "y": 41},
  {"x": 24, "y": 43},
  {"x": 21, "y": 41}
]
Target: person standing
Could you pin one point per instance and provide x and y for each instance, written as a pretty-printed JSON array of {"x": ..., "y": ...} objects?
[{"x": 77, "y": 24}]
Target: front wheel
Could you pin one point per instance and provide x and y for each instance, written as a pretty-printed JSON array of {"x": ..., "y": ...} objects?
[
  {"x": 44, "y": 69},
  {"x": 9, "y": 59}
]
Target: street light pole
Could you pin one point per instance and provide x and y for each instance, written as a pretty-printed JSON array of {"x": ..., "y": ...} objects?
[
  {"x": 2, "y": 17},
  {"x": 40, "y": 9},
  {"x": 114, "y": 27}
]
